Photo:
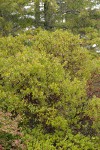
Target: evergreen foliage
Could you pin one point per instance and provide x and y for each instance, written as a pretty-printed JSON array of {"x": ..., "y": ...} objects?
[
  {"x": 44, "y": 80},
  {"x": 49, "y": 75}
]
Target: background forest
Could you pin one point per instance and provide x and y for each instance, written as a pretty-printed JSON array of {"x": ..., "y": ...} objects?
[{"x": 49, "y": 74}]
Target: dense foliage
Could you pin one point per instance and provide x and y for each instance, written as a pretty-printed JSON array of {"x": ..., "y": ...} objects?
[
  {"x": 79, "y": 16},
  {"x": 49, "y": 75},
  {"x": 44, "y": 101}
]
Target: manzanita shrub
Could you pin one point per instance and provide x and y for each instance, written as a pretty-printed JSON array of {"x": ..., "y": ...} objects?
[{"x": 43, "y": 79}]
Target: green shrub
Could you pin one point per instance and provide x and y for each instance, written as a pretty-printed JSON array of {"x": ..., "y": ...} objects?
[{"x": 43, "y": 78}]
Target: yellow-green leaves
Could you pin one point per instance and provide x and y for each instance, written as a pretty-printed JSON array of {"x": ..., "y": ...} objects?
[{"x": 43, "y": 78}]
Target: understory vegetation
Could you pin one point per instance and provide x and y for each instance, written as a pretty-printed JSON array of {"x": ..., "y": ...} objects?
[
  {"x": 46, "y": 101},
  {"x": 49, "y": 74}
]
